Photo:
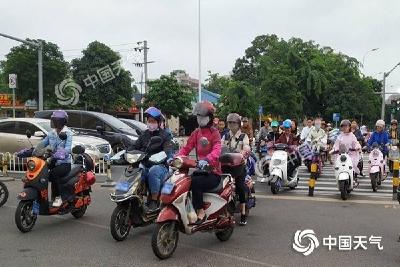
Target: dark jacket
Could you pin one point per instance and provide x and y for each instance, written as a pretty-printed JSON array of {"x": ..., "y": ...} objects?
[
  {"x": 144, "y": 140},
  {"x": 273, "y": 136}
]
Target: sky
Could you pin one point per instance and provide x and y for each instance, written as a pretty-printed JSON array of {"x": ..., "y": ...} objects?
[{"x": 228, "y": 28}]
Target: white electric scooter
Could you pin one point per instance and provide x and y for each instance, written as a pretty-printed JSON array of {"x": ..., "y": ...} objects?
[
  {"x": 376, "y": 167},
  {"x": 278, "y": 170},
  {"x": 344, "y": 172}
]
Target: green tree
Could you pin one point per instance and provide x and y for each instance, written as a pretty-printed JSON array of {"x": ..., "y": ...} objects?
[
  {"x": 167, "y": 94},
  {"x": 112, "y": 90},
  {"x": 295, "y": 78},
  {"x": 22, "y": 60},
  {"x": 216, "y": 83}
]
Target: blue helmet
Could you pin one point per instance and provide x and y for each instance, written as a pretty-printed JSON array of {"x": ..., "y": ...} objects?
[
  {"x": 287, "y": 124},
  {"x": 154, "y": 113}
]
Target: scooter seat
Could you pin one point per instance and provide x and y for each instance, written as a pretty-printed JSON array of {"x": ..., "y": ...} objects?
[
  {"x": 71, "y": 177},
  {"x": 218, "y": 188}
]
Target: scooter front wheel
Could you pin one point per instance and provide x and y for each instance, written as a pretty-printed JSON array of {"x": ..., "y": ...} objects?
[
  {"x": 24, "y": 217},
  {"x": 275, "y": 186},
  {"x": 343, "y": 189},
  {"x": 165, "y": 239},
  {"x": 118, "y": 226},
  {"x": 79, "y": 212},
  {"x": 225, "y": 234},
  {"x": 374, "y": 180},
  {"x": 3, "y": 194}
]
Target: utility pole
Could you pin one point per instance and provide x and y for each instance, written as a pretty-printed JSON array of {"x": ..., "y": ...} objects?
[
  {"x": 40, "y": 65},
  {"x": 145, "y": 65},
  {"x": 385, "y": 75},
  {"x": 199, "y": 52}
]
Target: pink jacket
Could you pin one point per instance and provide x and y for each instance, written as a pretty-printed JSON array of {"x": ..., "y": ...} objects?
[
  {"x": 207, "y": 142},
  {"x": 350, "y": 140}
]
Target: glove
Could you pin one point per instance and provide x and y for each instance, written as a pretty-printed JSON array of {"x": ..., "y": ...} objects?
[
  {"x": 169, "y": 161},
  {"x": 202, "y": 164}
]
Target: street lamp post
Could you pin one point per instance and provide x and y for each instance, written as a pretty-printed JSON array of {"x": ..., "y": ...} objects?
[
  {"x": 40, "y": 65},
  {"x": 372, "y": 50},
  {"x": 385, "y": 75}
]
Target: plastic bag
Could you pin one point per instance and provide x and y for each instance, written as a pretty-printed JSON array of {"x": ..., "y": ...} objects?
[{"x": 191, "y": 214}]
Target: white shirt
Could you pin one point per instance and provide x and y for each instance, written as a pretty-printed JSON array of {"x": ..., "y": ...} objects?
[{"x": 304, "y": 133}]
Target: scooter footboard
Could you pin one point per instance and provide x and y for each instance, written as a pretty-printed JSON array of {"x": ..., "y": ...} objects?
[{"x": 168, "y": 213}]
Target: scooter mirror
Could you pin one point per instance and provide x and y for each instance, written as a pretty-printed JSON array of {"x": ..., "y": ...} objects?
[
  {"x": 78, "y": 149},
  {"x": 28, "y": 134}
]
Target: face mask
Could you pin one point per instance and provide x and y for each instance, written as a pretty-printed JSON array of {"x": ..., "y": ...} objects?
[
  {"x": 317, "y": 126},
  {"x": 234, "y": 127},
  {"x": 203, "y": 120},
  {"x": 152, "y": 126}
]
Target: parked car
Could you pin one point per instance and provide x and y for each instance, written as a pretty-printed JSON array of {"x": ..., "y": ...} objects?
[
  {"x": 102, "y": 125},
  {"x": 138, "y": 126},
  {"x": 13, "y": 137}
]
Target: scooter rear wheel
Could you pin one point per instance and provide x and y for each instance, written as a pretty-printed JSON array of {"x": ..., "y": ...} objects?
[
  {"x": 3, "y": 194},
  {"x": 79, "y": 212},
  {"x": 165, "y": 239},
  {"x": 24, "y": 217},
  {"x": 225, "y": 234}
]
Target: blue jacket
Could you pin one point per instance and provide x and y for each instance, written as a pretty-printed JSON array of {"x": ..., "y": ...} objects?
[
  {"x": 381, "y": 138},
  {"x": 56, "y": 143}
]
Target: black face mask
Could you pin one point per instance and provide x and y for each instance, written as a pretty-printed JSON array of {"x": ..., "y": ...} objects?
[{"x": 57, "y": 123}]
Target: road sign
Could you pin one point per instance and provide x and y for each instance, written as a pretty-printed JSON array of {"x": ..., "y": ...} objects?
[
  {"x": 336, "y": 117},
  {"x": 12, "y": 81},
  {"x": 260, "y": 110}
]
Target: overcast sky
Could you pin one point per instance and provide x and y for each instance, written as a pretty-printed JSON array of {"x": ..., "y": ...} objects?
[{"x": 228, "y": 27}]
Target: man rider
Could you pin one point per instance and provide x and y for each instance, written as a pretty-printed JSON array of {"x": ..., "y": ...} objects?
[
  {"x": 60, "y": 165},
  {"x": 306, "y": 130},
  {"x": 273, "y": 136},
  {"x": 317, "y": 136},
  {"x": 154, "y": 174}
]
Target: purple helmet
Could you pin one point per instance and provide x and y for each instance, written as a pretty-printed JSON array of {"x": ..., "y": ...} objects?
[{"x": 59, "y": 119}]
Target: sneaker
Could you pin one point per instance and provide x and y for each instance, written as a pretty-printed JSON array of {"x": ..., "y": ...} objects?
[
  {"x": 243, "y": 220},
  {"x": 57, "y": 202}
]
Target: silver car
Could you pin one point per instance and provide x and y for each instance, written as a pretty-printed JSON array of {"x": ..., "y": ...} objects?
[{"x": 13, "y": 137}]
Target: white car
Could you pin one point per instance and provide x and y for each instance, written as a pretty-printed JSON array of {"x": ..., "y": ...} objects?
[{"x": 13, "y": 137}]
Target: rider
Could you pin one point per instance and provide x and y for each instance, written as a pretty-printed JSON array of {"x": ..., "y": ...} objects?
[
  {"x": 222, "y": 128},
  {"x": 264, "y": 131},
  {"x": 380, "y": 136},
  {"x": 60, "y": 165},
  {"x": 288, "y": 138},
  {"x": 236, "y": 141},
  {"x": 206, "y": 140},
  {"x": 247, "y": 128},
  {"x": 347, "y": 138},
  {"x": 317, "y": 136},
  {"x": 306, "y": 130},
  {"x": 154, "y": 174},
  {"x": 273, "y": 136}
]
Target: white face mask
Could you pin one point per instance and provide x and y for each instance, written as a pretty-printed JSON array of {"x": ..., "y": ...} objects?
[
  {"x": 152, "y": 126},
  {"x": 317, "y": 126},
  {"x": 203, "y": 120}
]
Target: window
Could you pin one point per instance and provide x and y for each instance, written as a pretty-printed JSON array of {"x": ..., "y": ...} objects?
[
  {"x": 90, "y": 122},
  {"x": 74, "y": 120},
  {"x": 7, "y": 127},
  {"x": 22, "y": 127}
]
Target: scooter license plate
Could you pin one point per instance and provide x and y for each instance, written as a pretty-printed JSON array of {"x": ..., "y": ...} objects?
[
  {"x": 167, "y": 188},
  {"x": 122, "y": 186}
]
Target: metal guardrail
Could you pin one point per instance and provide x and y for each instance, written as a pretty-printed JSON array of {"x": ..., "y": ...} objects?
[{"x": 11, "y": 163}]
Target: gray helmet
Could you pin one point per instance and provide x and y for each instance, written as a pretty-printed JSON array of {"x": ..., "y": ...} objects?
[
  {"x": 234, "y": 117},
  {"x": 345, "y": 122}
]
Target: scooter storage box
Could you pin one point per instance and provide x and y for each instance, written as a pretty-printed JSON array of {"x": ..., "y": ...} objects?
[{"x": 233, "y": 164}]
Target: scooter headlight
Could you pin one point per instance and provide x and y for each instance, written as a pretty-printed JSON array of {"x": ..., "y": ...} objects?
[
  {"x": 277, "y": 162},
  {"x": 132, "y": 158},
  {"x": 343, "y": 158},
  {"x": 31, "y": 165}
]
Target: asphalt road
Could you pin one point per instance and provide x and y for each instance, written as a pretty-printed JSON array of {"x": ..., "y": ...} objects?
[{"x": 265, "y": 241}]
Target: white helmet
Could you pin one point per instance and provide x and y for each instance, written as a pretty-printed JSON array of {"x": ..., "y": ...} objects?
[{"x": 380, "y": 123}]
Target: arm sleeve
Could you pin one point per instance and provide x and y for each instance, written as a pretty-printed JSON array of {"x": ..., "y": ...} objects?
[
  {"x": 184, "y": 151},
  {"x": 45, "y": 142},
  {"x": 246, "y": 140},
  {"x": 215, "y": 153},
  {"x": 68, "y": 143},
  {"x": 371, "y": 139}
]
